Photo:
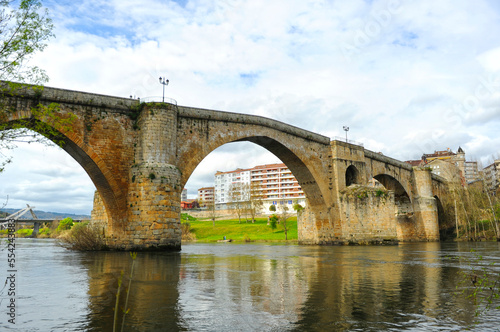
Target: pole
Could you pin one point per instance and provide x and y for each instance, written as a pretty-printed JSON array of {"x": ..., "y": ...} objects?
[{"x": 163, "y": 82}]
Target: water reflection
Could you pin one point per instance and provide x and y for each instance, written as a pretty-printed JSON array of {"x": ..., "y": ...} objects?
[
  {"x": 153, "y": 298},
  {"x": 231, "y": 287}
]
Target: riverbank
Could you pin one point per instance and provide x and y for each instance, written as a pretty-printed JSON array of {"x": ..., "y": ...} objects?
[{"x": 259, "y": 231}]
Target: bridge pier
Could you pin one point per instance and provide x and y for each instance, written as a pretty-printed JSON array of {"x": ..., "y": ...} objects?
[
  {"x": 425, "y": 207},
  {"x": 154, "y": 186}
]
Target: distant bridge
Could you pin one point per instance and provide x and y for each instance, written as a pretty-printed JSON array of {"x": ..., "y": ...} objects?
[
  {"x": 14, "y": 217},
  {"x": 140, "y": 156}
]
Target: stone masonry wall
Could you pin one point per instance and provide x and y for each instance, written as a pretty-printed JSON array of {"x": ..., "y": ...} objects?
[
  {"x": 368, "y": 216},
  {"x": 154, "y": 191}
]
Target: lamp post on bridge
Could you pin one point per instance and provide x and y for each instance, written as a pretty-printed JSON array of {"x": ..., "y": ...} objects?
[
  {"x": 163, "y": 82},
  {"x": 346, "y": 130}
]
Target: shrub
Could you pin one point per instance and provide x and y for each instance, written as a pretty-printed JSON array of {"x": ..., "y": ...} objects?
[
  {"x": 186, "y": 232},
  {"x": 83, "y": 237},
  {"x": 272, "y": 221},
  {"x": 246, "y": 238},
  {"x": 44, "y": 232},
  {"x": 24, "y": 232},
  {"x": 272, "y": 208},
  {"x": 65, "y": 224}
]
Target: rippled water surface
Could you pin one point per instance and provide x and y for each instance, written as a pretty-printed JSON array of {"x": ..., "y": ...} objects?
[{"x": 247, "y": 287}]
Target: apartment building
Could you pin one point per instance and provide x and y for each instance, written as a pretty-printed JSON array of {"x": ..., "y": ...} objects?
[
  {"x": 471, "y": 172},
  {"x": 205, "y": 196},
  {"x": 492, "y": 176},
  {"x": 273, "y": 184},
  {"x": 231, "y": 186}
]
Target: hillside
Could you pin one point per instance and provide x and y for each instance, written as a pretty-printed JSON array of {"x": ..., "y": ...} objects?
[{"x": 45, "y": 215}]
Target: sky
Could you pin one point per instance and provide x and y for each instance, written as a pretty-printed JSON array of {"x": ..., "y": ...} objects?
[{"x": 406, "y": 77}]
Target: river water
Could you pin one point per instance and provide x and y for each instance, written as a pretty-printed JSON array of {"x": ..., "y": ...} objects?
[{"x": 247, "y": 287}]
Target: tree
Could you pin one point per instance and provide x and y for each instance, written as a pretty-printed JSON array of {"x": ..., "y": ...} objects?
[
  {"x": 237, "y": 196},
  {"x": 272, "y": 221},
  {"x": 254, "y": 200},
  {"x": 285, "y": 214},
  {"x": 24, "y": 31},
  {"x": 212, "y": 211}
]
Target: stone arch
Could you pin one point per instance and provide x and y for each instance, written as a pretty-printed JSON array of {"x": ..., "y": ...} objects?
[
  {"x": 300, "y": 170},
  {"x": 391, "y": 183},
  {"x": 446, "y": 226},
  {"x": 112, "y": 195},
  {"x": 352, "y": 176},
  {"x": 401, "y": 197}
]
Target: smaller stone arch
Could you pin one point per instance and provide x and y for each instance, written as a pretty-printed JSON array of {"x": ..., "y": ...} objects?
[
  {"x": 352, "y": 176},
  {"x": 446, "y": 224},
  {"x": 391, "y": 183}
]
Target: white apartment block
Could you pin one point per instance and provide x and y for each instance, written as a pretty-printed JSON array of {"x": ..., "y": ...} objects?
[
  {"x": 274, "y": 184},
  {"x": 184, "y": 195},
  {"x": 225, "y": 181},
  {"x": 492, "y": 176},
  {"x": 205, "y": 196}
]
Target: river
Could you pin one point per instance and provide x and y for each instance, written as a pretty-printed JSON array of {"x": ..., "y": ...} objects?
[{"x": 246, "y": 287}]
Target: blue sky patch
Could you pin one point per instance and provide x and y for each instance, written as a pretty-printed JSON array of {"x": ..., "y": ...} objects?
[{"x": 249, "y": 78}]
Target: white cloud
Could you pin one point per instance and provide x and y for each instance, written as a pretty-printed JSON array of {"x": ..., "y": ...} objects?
[{"x": 401, "y": 74}]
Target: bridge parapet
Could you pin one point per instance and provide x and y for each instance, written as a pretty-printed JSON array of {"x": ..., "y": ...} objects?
[
  {"x": 204, "y": 114},
  {"x": 55, "y": 95},
  {"x": 388, "y": 160}
]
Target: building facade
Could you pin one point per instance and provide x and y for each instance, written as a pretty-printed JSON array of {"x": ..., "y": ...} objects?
[
  {"x": 231, "y": 186},
  {"x": 205, "y": 196},
  {"x": 468, "y": 171},
  {"x": 492, "y": 176},
  {"x": 272, "y": 184},
  {"x": 472, "y": 173}
]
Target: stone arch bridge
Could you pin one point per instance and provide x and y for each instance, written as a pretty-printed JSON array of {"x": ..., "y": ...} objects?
[{"x": 140, "y": 156}]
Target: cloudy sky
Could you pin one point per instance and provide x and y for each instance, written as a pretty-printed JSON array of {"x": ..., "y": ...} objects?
[{"x": 407, "y": 77}]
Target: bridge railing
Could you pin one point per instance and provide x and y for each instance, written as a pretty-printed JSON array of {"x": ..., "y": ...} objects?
[
  {"x": 158, "y": 99},
  {"x": 342, "y": 139}
]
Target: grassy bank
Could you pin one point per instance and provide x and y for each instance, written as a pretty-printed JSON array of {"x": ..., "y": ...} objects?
[{"x": 244, "y": 232}]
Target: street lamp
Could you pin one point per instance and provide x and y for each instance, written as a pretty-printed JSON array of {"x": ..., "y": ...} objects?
[
  {"x": 346, "y": 130},
  {"x": 163, "y": 82}
]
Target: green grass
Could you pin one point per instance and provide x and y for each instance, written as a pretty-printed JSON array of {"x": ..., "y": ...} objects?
[{"x": 232, "y": 229}]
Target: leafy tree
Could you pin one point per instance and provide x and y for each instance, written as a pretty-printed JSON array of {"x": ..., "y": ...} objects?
[
  {"x": 297, "y": 207},
  {"x": 272, "y": 208},
  {"x": 24, "y": 31},
  {"x": 272, "y": 221},
  {"x": 64, "y": 224},
  {"x": 25, "y": 27}
]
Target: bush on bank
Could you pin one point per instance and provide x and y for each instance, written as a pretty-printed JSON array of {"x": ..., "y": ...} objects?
[{"x": 82, "y": 237}]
